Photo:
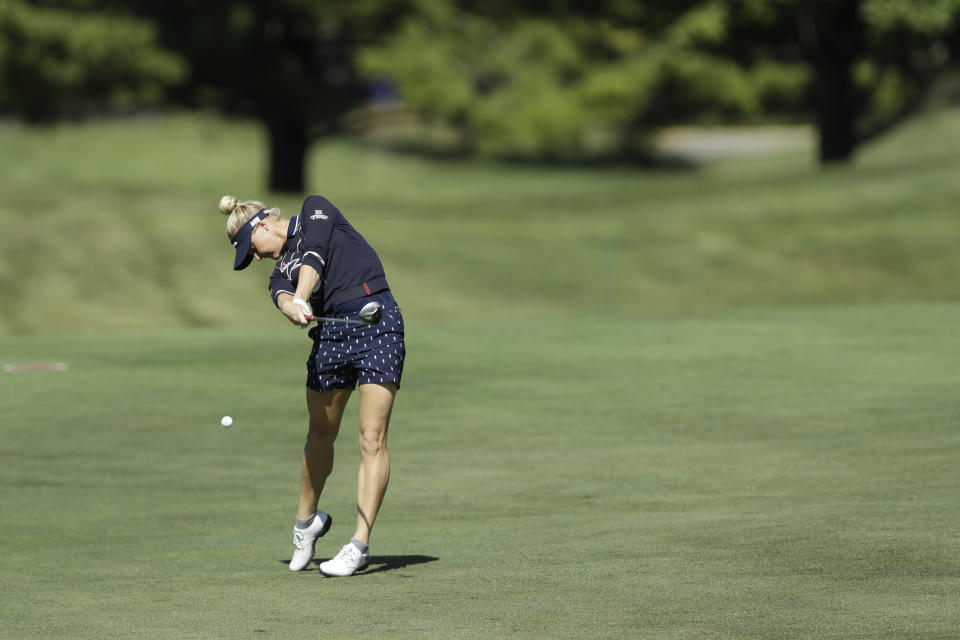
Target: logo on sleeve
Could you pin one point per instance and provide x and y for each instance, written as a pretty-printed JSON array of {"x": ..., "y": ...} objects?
[{"x": 318, "y": 215}]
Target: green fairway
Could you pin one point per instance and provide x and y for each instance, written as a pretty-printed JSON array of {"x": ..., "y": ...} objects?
[
  {"x": 715, "y": 402},
  {"x": 722, "y": 474}
]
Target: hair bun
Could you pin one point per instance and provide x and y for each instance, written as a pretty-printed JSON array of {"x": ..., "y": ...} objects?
[{"x": 228, "y": 204}]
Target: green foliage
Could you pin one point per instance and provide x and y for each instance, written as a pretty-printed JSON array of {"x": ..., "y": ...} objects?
[
  {"x": 56, "y": 62},
  {"x": 901, "y": 48},
  {"x": 530, "y": 79},
  {"x": 564, "y": 88},
  {"x": 929, "y": 17},
  {"x": 576, "y": 84},
  {"x": 908, "y": 42},
  {"x": 781, "y": 86},
  {"x": 705, "y": 24},
  {"x": 509, "y": 92},
  {"x": 286, "y": 63}
]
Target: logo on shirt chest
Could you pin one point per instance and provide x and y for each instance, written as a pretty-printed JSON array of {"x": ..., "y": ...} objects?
[
  {"x": 319, "y": 215},
  {"x": 290, "y": 267}
]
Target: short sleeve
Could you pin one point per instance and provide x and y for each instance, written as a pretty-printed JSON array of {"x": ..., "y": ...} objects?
[{"x": 318, "y": 217}]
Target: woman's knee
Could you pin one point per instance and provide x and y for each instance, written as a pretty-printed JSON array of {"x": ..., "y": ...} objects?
[
  {"x": 373, "y": 438},
  {"x": 321, "y": 431}
]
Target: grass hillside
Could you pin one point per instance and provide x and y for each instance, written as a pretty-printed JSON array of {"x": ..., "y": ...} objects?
[{"x": 115, "y": 224}]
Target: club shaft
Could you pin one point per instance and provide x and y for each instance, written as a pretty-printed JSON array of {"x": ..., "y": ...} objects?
[{"x": 343, "y": 320}]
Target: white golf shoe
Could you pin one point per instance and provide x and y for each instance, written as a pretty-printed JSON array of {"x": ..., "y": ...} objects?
[
  {"x": 304, "y": 539},
  {"x": 346, "y": 563}
]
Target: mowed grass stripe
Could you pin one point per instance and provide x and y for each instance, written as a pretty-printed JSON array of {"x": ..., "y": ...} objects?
[{"x": 730, "y": 474}]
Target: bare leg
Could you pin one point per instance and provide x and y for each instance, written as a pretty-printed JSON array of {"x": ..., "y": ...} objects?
[
  {"x": 376, "y": 404},
  {"x": 326, "y": 410}
]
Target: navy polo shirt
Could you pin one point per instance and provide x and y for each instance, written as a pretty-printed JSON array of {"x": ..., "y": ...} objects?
[{"x": 321, "y": 237}]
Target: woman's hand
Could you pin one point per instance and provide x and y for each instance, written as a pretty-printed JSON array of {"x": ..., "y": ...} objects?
[{"x": 296, "y": 311}]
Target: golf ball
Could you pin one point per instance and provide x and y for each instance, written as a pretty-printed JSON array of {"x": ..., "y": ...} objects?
[{"x": 226, "y": 421}]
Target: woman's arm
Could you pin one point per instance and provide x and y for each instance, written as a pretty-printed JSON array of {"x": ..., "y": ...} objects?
[
  {"x": 296, "y": 312},
  {"x": 307, "y": 282}
]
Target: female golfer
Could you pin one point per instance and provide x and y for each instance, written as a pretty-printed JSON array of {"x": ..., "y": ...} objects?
[{"x": 324, "y": 265}]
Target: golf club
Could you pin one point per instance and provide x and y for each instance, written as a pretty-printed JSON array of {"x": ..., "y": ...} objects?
[{"x": 369, "y": 315}]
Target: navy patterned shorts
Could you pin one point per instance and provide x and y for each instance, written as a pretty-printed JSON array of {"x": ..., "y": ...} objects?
[{"x": 344, "y": 354}]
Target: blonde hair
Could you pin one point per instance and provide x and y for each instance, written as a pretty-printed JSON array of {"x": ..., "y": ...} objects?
[{"x": 239, "y": 212}]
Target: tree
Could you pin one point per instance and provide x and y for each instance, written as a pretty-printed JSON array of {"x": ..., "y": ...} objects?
[
  {"x": 873, "y": 61},
  {"x": 287, "y": 63},
  {"x": 66, "y": 62},
  {"x": 546, "y": 78},
  {"x": 515, "y": 82}
]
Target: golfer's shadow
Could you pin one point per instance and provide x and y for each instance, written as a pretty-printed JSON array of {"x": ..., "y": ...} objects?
[{"x": 379, "y": 563}]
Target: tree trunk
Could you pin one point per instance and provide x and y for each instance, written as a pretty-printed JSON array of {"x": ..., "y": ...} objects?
[
  {"x": 839, "y": 39},
  {"x": 289, "y": 140}
]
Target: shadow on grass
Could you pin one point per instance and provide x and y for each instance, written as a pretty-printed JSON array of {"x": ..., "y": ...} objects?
[
  {"x": 389, "y": 563},
  {"x": 379, "y": 564}
]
